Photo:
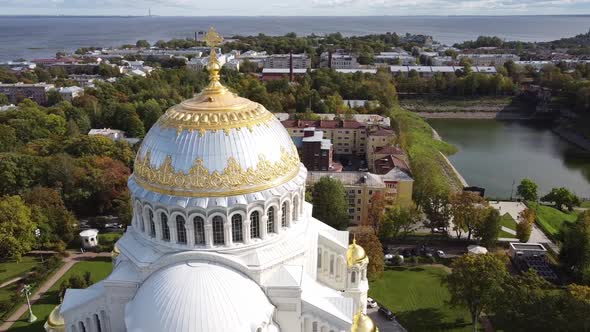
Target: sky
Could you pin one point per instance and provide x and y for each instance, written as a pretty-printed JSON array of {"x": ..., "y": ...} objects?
[{"x": 293, "y": 7}]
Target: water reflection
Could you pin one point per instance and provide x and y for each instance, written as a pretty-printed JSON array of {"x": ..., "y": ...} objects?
[{"x": 494, "y": 153}]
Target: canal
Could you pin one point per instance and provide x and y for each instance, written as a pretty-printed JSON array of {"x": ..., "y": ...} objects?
[{"x": 492, "y": 154}]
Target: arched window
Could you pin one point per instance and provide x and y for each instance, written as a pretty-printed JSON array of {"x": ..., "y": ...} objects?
[
  {"x": 255, "y": 225},
  {"x": 295, "y": 209},
  {"x": 82, "y": 327},
  {"x": 152, "y": 224},
  {"x": 97, "y": 323},
  {"x": 332, "y": 265},
  {"x": 270, "y": 223},
  {"x": 140, "y": 219},
  {"x": 319, "y": 258},
  {"x": 284, "y": 215},
  {"x": 218, "y": 238},
  {"x": 180, "y": 230},
  {"x": 314, "y": 327},
  {"x": 353, "y": 277},
  {"x": 165, "y": 227},
  {"x": 199, "y": 226},
  {"x": 237, "y": 233}
]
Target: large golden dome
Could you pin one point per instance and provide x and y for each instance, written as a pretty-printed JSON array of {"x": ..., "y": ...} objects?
[{"x": 215, "y": 144}]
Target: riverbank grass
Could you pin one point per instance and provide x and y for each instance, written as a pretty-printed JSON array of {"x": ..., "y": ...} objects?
[
  {"x": 99, "y": 269},
  {"x": 419, "y": 299},
  {"x": 551, "y": 219}
]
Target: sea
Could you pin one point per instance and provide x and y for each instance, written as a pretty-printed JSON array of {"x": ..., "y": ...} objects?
[{"x": 32, "y": 37}]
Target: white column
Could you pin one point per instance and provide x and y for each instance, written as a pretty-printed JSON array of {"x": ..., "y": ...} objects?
[
  {"x": 190, "y": 233},
  {"x": 279, "y": 221},
  {"x": 209, "y": 235},
  {"x": 246, "y": 230},
  {"x": 227, "y": 228},
  {"x": 264, "y": 221}
]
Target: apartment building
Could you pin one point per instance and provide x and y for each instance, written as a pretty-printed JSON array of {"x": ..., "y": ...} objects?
[
  {"x": 17, "y": 92},
  {"x": 348, "y": 137},
  {"x": 300, "y": 61},
  {"x": 338, "y": 61},
  {"x": 489, "y": 59},
  {"x": 315, "y": 151},
  {"x": 396, "y": 185}
]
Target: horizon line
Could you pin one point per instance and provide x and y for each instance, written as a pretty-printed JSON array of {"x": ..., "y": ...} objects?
[{"x": 218, "y": 16}]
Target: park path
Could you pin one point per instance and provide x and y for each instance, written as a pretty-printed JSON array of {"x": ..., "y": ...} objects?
[
  {"x": 69, "y": 261},
  {"x": 10, "y": 282}
]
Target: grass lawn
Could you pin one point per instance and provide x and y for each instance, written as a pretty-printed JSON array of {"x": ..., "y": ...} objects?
[
  {"x": 417, "y": 297},
  {"x": 507, "y": 221},
  {"x": 11, "y": 269},
  {"x": 585, "y": 204},
  {"x": 551, "y": 219},
  {"x": 99, "y": 269}
]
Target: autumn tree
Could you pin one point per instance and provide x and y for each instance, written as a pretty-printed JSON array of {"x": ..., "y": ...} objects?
[
  {"x": 375, "y": 212},
  {"x": 330, "y": 203},
  {"x": 527, "y": 189},
  {"x": 525, "y": 225},
  {"x": 475, "y": 281},
  {"x": 366, "y": 238},
  {"x": 437, "y": 210},
  {"x": 17, "y": 230}
]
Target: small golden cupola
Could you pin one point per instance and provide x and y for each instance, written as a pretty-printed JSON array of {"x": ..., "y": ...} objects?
[
  {"x": 216, "y": 144},
  {"x": 363, "y": 323},
  {"x": 356, "y": 254},
  {"x": 55, "y": 321}
]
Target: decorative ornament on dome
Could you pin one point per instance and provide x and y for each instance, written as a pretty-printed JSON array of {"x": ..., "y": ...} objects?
[
  {"x": 213, "y": 39},
  {"x": 363, "y": 323},
  {"x": 355, "y": 254}
]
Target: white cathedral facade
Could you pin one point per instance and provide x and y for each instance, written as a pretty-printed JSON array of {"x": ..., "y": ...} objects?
[{"x": 222, "y": 239}]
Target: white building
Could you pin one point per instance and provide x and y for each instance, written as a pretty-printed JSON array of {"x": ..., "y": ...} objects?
[
  {"x": 489, "y": 59},
  {"x": 300, "y": 61},
  {"x": 71, "y": 92},
  {"x": 89, "y": 238},
  {"x": 338, "y": 61},
  {"x": 113, "y": 134},
  {"x": 221, "y": 237}
]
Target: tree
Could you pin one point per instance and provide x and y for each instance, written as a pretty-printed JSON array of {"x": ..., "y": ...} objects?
[
  {"x": 366, "y": 238},
  {"x": 527, "y": 189},
  {"x": 466, "y": 208},
  {"x": 8, "y": 138},
  {"x": 525, "y": 225},
  {"x": 330, "y": 203},
  {"x": 375, "y": 212},
  {"x": 489, "y": 228},
  {"x": 54, "y": 97},
  {"x": 575, "y": 247},
  {"x": 51, "y": 216},
  {"x": 560, "y": 197},
  {"x": 399, "y": 220},
  {"x": 142, "y": 43},
  {"x": 17, "y": 230},
  {"x": 475, "y": 282},
  {"x": 437, "y": 210},
  {"x": 3, "y": 99}
]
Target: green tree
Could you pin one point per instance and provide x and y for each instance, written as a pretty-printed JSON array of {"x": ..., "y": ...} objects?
[
  {"x": 399, "y": 220},
  {"x": 142, "y": 43},
  {"x": 527, "y": 189},
  {"x": 330, "y": 203},
  {"x": 150, "y": 112},
  {"x": 575, "y": 247},
  {"x": 366, "y": 238},
  {"x": 17, "y": 230},
  {"x": 523, "y": 231},
  {"x": 466, "y": 208},
  {"x": 489, "y": 228},
  {"x": 438, "y": 211},
  {"x": 3, "y": 99},
  {"x": 56, "y": 222},
  {"x": 475, "y": 282},
  {"x": 54, "y": 97},
  {"x": 375, "y": 212},
  {"x": 562, "y": 197},
  {"x": 8, "y": 140}
]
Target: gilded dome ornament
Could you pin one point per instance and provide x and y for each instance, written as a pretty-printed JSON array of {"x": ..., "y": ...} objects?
[
  {"x": 363, "y": 323},
  {"x": 355, "y": 254}
]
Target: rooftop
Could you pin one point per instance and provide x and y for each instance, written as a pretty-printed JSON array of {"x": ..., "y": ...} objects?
[{"x": 328, "y": 124}]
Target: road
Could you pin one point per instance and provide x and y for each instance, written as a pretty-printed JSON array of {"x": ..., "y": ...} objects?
[
  {"x": 69, "y": 261},
  {"x": 383, "y": 324}
]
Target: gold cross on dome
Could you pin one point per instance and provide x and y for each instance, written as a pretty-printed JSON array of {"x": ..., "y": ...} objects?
[{"x": 212, "y": 38}]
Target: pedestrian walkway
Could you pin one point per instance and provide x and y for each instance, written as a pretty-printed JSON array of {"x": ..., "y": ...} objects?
[
  {"x": 10, "y": 282},
  {"x": 68, "y": 263}
]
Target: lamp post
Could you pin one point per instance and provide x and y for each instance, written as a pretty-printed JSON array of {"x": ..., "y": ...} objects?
[
  {"x": 27, "y": 292},
  {"x": 38, "y": 236}
]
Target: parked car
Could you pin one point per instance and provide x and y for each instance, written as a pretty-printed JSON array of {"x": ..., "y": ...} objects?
[
  {"x": 386, "y": 313},
  {"x": 371, "y": 303},
  {"x": 441, "y": 254}
]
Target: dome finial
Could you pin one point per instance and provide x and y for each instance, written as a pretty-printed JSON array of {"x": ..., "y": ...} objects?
[{"x": 212, "y": 39}]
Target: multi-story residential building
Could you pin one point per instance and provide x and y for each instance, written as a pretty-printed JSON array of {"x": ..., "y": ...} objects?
[
  {"x": 430, "y": 71},
  {"x": 17, "y": 65},
  {"x": 367, "y": 119},
  {"x": 396, "y": 185},
  {"x": 315, "y": 151},
  {"x": 377, "y": 138},
  {"x": 18, "y": 91},
  {"x": 489, "y": 59},
  {"x": 349, "y": 137},
  {"x": 392, "y": 58},
  {"x": 300, "y": 61},
  {"x": 71, "y": 92},
  {"x": 338, "y": 61},
  {"x": 269, "y": 74}
]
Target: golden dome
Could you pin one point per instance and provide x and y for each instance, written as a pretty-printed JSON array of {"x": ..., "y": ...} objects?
[
  {"x": 216, "y": 144},
  {"x": 115, "y": 251},
  {"x": 55, "y": 319},
  {"x": 355, "y": 254},
  {"x": 363, "y": 323}
]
